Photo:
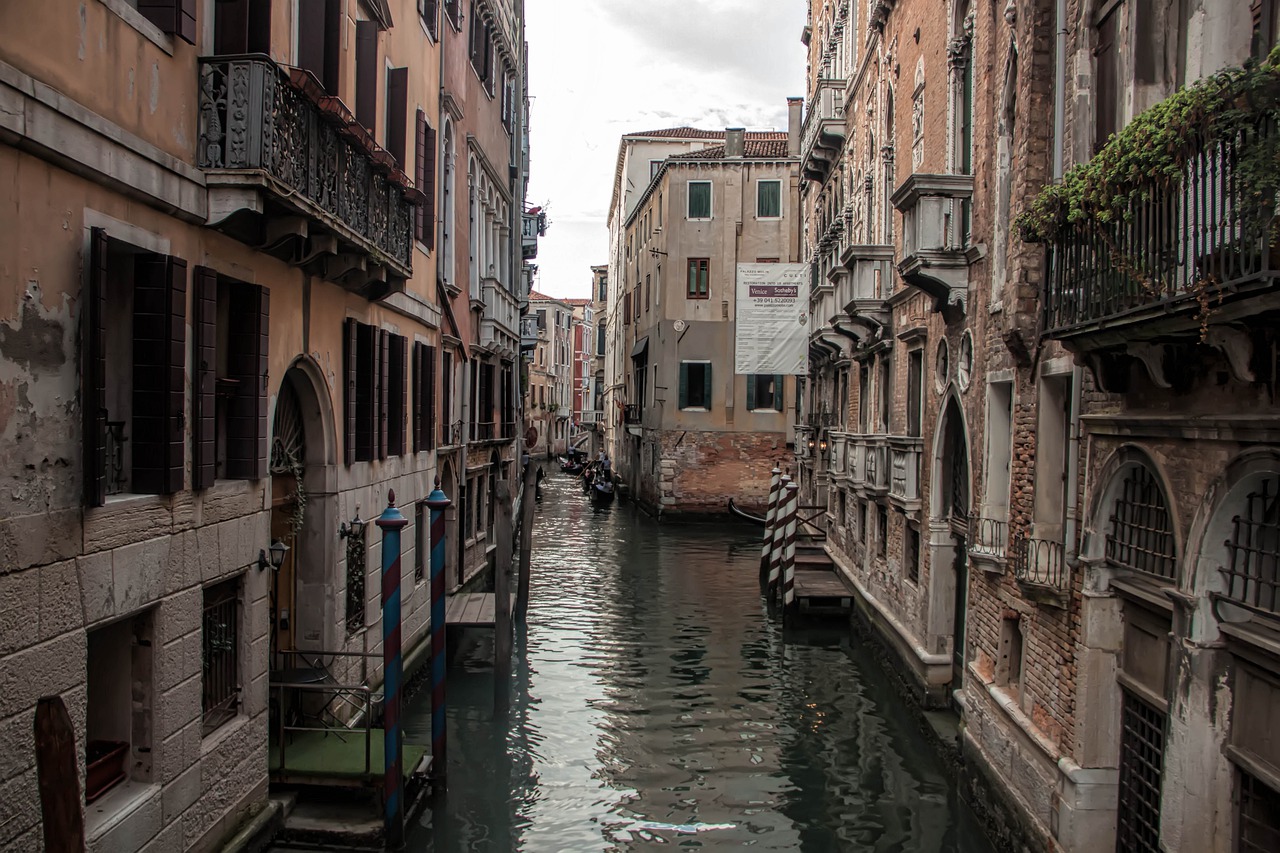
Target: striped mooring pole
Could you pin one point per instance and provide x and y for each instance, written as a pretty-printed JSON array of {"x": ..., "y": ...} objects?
[
  {"x": 391, "y": 522},
  {"x": 774, "y": 488},
  {"x": 775, "y": 538},
  {"x": 437, "y": 502},
  {"x": 789, "y": 552}
]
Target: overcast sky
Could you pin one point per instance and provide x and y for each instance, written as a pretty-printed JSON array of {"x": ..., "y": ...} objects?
[{"x": 602, "y": 68}]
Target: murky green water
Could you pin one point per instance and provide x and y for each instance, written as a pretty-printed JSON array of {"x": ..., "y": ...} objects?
[{"x": 656, "y": 704}]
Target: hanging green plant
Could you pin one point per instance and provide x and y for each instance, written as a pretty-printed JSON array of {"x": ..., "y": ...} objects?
[{"x": 1152, "y": 153}]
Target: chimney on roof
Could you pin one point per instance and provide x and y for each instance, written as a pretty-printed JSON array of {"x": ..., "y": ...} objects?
[
  {"x": 795, "y": 111},
  {"x": 734, "y": 144}
]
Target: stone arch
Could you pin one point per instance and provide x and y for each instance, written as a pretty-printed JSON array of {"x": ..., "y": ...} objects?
[
  {"x": 950, "y": 496},
  {"x": 1234, "y": 493},
  {"x": 1132, "y": 476},
  {"x": 304, "y": 511},
  {"x": 950, "y": 437}
]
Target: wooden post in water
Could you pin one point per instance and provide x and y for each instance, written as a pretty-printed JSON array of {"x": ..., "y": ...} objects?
[
  {"x": 775, "y": 543},
  {"x": 526, "y": 540},
  {"x": 58, "y": 777},
  {"x": 775, "y": 482},
  {"x": 438, "y": 502},
  {"x": 789, "y": 553},
  {"x": 391, "y": 522},
  {"x": 502, "y": 595}
]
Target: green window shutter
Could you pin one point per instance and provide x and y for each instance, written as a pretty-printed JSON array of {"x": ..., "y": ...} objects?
[
  {"x": 684, "y": 385},
  {"x": 751, "y": 392},
  {"x": 706, "y": 386},
  {"x": 779, "y": 385}
]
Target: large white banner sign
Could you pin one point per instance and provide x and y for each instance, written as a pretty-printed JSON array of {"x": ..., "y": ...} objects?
[{"x": 773, "y": 319}]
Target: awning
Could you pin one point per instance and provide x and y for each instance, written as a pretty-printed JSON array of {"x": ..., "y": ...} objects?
[{"x": 641, "y": 347}]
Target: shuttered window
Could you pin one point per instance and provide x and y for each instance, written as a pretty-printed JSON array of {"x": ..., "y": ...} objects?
[
  {"x": 397, "y": 392},
  {"x": 424, "y": 404},
  {"x": 429, "y": 11},
  {"x": 446, "y": 398},
  {"x": 695, "y": 385},
  {"x": 319, "y": 40},
  {"x": 242, "y": 26},
  {"x": 159, "y": 373},
  {"x": 175, "y": 17},
  {"x": 247, "y": 352},
  {"x": 350, "y": 408},
  {"x": 93, "y": 372},
  {"x": 360, "y": 400},
  {"x": 398, "y": 114},
  {"x": 764, "y": 392},
  {"x": 204, "y": 375},
  {"x": 1109, "y": 100},
  {"x": 367, "y": 74},
  {"x": 382, "y": 391},
  {"x": 425, "y": 178}
]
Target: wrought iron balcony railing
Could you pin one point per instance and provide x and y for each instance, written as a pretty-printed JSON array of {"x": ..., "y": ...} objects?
[
  {"x": 631, "y": 414},
  {"x": 277, "y": 131},
  {"x": 1038, "y": 561},
  {"x": 1181, "y": 244},
  {"x": 988, "y": 538}
]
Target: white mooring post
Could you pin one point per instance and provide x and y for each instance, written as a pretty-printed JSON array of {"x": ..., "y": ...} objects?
[
  {"x": 776, "y": 537},
  {"x": 789, "y": 553},
  {"x": 775, "y": 488}
]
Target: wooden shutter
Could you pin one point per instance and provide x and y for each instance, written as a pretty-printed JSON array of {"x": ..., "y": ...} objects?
[
  {"x": 159, "y": 362},
  {"x": 779, "y": 386},
  {"x": 706, "y": 385},
  {"x": 429, "y": 187},
  {"x": 93, "y": 371},
  {"x": 247, "y": 365},
  {"x": 420, "y": 180},
  {"x": 397, "y": 114},
  {"x": 446, "y": 396},
  {"x": 626, "y": 309},
  {"x": 416, "y": 428},
  {"x": 382, "y": 384},
  {"x": 175, "y": 17},
  {"x": 366, "y": 391},
  {"x": 751, "y": 392},
  {"x": 367, "y": 74},
  {"x": 684, "y": 385},
  {"x": 349, "y": 350},
  {"x": 397, "y": 394},
  {"x": 204, "y": 372}
]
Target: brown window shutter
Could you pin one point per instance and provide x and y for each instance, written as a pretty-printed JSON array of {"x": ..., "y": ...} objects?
[
  {"x": 159, "y": 367},
  {"x": 429, "y": 188},
  {"x": 204, "y": 372},
  {"x": 429, "y": 398},
  {"x": 175, "y": 17},
  {"x": 397, "y": 394},
  {"x": 383, "y": 385},
  {"x": 417, "y": 421},
  {"x": 366, "y": 391},
  {"x": 420, "y": 179},
  {"x": 397, "y": 114},
  {"x": 350, "y": 348},
  {"x": 247, "y": 365},
  {"x": 93, "y": 371},
  {"x": 367, "y": 74}
]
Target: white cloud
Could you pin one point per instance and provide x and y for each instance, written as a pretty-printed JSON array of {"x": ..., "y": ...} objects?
[{"x": 602, "y": 68}]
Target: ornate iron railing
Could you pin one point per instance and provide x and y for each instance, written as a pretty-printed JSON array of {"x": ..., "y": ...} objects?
[
  {"x": 631, "y": 414},
  {"x": 257, "y": 116},
  {"x": 987, "y": 537},
  {"x": 1038, "y": 561},
  {"x": 113, "y": 450},
  {"x": 1184, "y": 242}
]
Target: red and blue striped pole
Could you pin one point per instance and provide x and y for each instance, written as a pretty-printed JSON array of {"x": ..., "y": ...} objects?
[
  {"x": 437, "y": 502},
  {"x": 391, "y": 522}
]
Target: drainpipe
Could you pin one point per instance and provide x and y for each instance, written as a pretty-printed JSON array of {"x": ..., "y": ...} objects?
[{"x": 1071, "y": 531}]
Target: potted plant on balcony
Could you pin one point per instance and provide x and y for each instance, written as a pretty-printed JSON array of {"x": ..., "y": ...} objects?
[{"x": 104, "y": 766}]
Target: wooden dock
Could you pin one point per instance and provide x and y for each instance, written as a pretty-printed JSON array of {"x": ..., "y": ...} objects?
[
  {"x": 822, "y": 591},
  {"x": 472, "y": 610}
]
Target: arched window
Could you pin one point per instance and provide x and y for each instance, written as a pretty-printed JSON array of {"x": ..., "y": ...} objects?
[
  {"x": 1140, "y": 536},
  {"x": 1251, "y": 574}
]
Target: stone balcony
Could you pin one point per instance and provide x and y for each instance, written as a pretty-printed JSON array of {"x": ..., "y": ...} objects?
[
  {"x": 839, "y": 444},
  {"x": 822, "y": 136},
  {"x": 904, "y": 479},
  {"x": 291, "y": 172},
  {"x": 869, "y": 464},
  {"x": 863, "y": 293},
  {"x": 935, "y": 257},
  {"x": 500, "y": 321}
]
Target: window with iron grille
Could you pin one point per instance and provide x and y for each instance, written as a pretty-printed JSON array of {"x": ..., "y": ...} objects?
[
  {"x": 355, "y": 581},
  {"x": 1141, "y": 769},
  {"x": 911, "y": 552},
  {"x": 1141, "y": 537},
  {"x": 220, "y": 697},
  {"x": 1252, "y": 573},
  {"x": 1257, "y": 815}
]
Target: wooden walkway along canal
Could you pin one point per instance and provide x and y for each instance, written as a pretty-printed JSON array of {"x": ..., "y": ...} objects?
[
  {"x": 819, "y": 587},
  {"x": 472, "y": 610}
]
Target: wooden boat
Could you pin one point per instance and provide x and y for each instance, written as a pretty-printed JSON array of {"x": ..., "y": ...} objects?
[
  {"x": 744, "y": 515},
  {"x": 602, "y": 492}
]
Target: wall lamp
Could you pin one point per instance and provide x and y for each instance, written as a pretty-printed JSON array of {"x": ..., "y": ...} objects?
[
  {"x": 822, "y": 446},
  {"x": 354, "y": 530},
  {"x": 278, "y": 549}
]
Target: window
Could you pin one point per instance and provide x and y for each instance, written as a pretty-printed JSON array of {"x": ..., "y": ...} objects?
[
  {"x": 133, "y": 349},
  {"x": 915, "y": 391},
  {"x": 228, "y": 377},
  {"x": 600, "y": 332},
  {"x": 355, "y": 580},
  {"x": 120, "y": 692},
  {"x": 482, "y": 47},
  {"x": 424, "y": 228},
  {"x": 172, "y": 17},
  {"x": 397, "y": 393},
  {"x": 695, "y": 385},
  {"x": 424, "y": 403},
  {"x": 699, "y": 278},
  {"x": 884, "y": 393},
  {"x": 764, "y": 392},
  {"x": 699, "y": 200},
  {"x": 367, "y": 74},
  {"x": 882, "y": 531},
  {"x": 1109, "y": 101},
  {"x": 911, "y": 552},
  {"x": 603, "y": 290},
  {"x": 654, "y": 166},
  {"x": 242, "y": 26},
  {"x": 220, "y": 640},
  {"x": 421, "y": 541},
  {"x": 648, "y": 293},
  {"x": 368, "y": 399},
  {"x": 1257, "y": 814},
  {"x": 1009, "y": 667},
  {"x": 769, "y": 199},
  {"x": 320, "y": 24},
  {"x": 451, "y": 11},
  {"x": 429, "y": 11},
  {"x": 446, "y": 397},
  {"x": 397, "y": 114}
]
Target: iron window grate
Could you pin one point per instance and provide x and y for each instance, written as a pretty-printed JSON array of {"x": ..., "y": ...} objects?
[
  {"x": 221, "y": 641},
  {"x": 1141, "y": 762},
  {"x": 1258, "y": 815},
  {"x": 1253, "y": 551},
  {"x": 1141, "y": 537}
]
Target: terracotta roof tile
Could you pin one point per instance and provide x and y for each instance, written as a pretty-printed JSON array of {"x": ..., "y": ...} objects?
[
  {"x": 698, "y": 133},
  {"x": 770, "y": 148}
]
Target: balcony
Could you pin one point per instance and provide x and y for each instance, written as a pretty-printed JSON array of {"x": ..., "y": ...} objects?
[
  {"x": 862, "y": 294},
  {"x": 838, "y": 465},
  {"x": 1184, "y": 253},
  {"x": 822, "y": 137},
  {"x": 500, "y": 321},
  {"x": 1040, "y": 568},
  {"x": 290, "y": 171},
  {"x": 869, "y": 464},
  {"x": 804, "y": 435},
  {"x": 904, "y": 479},
  {"x": 590, "y": 416},
  {"x": 987, "y": 538},
  {"x": 935, "y": 257},
  {"x": 631, "y": 414},
  {"x": 562, "y": 412}
]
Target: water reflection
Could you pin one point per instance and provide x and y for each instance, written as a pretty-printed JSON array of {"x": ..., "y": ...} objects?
[{"x": 658, "y": 704}]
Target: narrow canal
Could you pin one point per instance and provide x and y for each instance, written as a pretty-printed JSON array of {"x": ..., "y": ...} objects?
[{"x": 656, "y": 703}]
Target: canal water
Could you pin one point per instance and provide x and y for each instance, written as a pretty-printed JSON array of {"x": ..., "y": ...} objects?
[{"x": 655, "y": 703}]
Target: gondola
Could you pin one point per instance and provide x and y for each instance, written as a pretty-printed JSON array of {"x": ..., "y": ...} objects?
[
  {"x": 744, "y": 515},
  {"x": 602, "y": 492}
]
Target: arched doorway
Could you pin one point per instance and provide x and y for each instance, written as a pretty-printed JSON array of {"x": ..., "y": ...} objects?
[
  {"x": 948, "y": 535},
  {"x": 303, "y": 509}
]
